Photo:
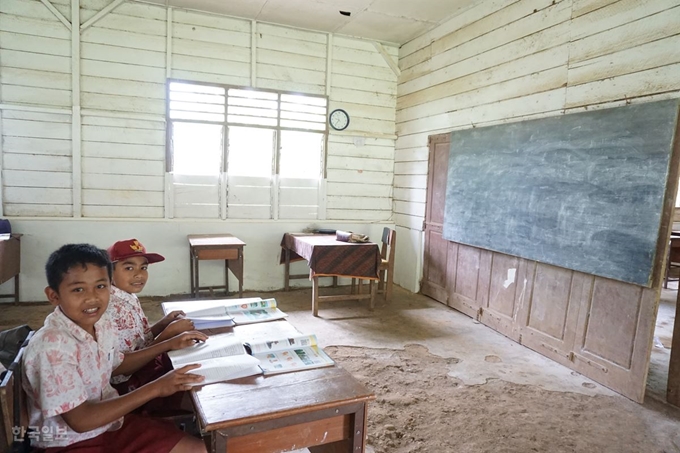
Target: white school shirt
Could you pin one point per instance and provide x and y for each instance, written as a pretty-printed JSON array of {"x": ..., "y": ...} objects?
[
  {"x": 134, "y": 331},
  {"x": 63, "y": 366}
]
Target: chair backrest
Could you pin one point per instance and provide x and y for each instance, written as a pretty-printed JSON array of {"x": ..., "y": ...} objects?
[
  {"x": 13, "y": 403},
  {"x": 674, "y": 250},
  {"x": 389, "y": 240}
]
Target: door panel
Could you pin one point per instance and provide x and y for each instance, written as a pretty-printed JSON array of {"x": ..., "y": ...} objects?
[
  {"x": 614, "y": 336},
  {"x": 468, "y": 271},
  {"x": 435, "y": 265},
  {"x": 549, "y": 318}
]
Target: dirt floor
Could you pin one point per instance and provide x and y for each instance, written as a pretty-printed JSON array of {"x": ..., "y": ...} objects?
[{"x": 445, "y": 383}]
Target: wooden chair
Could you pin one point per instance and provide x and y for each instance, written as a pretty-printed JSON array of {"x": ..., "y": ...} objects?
[
  {"x": 673, "y": 261},
  {"x": 386, "y": 269},
  {"x": 13, "y": 406},
  {"x": 389, "y": 242}
]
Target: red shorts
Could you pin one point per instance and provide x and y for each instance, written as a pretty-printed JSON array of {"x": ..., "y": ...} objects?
[
  {"x": 137, "y": 435},
  {"x": 148, "y": 373}
]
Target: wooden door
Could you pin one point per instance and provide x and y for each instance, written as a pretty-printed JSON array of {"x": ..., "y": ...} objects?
[
  {"x": 599, "y": 327},
  {"x": 436, "y": 248}
]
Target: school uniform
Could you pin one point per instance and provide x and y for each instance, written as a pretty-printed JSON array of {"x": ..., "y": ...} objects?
[
  {"x": 134, "y": 333},
  {"x": 63, "y": 367}
]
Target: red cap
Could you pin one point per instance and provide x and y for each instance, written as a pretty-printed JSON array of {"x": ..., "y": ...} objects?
[{"x": 129, "y": 248}]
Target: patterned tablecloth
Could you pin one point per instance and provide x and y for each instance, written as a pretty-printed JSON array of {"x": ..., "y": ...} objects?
[{"x": 329, "y": 257}]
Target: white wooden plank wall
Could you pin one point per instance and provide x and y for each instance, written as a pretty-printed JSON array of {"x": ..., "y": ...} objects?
[
  {"x": 291, "y": 60},
  {"x": 360, "y": 160},
  {"x": 249, "y": 197},
  {"x": 36, "y": 164},
  {"x": 509, "y": 60},
  {"x": 123, "y": 81},
  {"x": 35, "y": 53},
  {"x": 124, "y": 59},
  {"x": 298, "y": 198},
  {"x": 211, "y": 49}
]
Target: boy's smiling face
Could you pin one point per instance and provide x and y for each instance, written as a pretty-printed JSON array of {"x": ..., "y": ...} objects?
[
  {"x": 83, "y": 295},
  {"x": 130, "y": 274}
]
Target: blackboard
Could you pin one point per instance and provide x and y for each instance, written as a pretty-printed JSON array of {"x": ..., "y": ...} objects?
[{"x": 583, "y": 191}]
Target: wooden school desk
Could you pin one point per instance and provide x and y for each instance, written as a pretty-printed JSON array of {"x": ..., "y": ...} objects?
[
  {"x": 324, "y": 409},
  {"x": 328, "y": 257},
  {"x": 10, "y": 263},
  {"x": 216, "y": 247}
]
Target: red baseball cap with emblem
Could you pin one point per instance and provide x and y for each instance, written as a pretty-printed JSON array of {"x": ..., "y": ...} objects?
[{"x": 131, "y": 248}]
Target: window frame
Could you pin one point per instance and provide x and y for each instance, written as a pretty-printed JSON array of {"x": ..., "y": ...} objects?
[{"x": 169, "y": 155}]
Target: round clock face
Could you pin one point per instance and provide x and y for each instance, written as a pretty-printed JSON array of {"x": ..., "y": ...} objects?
[{"x": 339, "y": 119}]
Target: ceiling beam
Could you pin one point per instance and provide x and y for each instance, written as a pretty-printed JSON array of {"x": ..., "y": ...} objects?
[{"x": 388, "y": 59}]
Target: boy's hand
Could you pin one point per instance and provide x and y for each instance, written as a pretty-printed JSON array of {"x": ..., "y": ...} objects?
[
  {"x": 175, "y": 328},
  {"x": 170, "y": 317},
  {"x": 177, "y": 380},
  {"x": 186, "y": 339}
]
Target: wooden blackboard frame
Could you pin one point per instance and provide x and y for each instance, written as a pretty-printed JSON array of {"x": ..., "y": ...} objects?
[{"x": 618, "y": 150}]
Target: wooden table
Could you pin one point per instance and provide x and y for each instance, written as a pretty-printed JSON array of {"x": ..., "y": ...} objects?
[
  {"x": 323, "y": 409},
  {"x": 10, "y": 264},
  {"x": 328, "y": 257},
  {"x": 216, "y": 247}
]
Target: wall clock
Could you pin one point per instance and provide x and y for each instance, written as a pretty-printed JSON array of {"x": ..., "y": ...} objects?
[{"x": 338, "y": 119}]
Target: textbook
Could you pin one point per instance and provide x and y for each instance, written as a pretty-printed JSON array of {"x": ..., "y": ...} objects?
[
  {"x": 225, "y": 357},
  {"x": 209, "y": 314}
]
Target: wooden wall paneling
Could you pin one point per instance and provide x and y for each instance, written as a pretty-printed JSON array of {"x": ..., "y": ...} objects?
[
  {"x": 643, "y": 30},
  {"x": 411, "y": 53},
  {"x": 435, "y": 265},
  {"x": 549, "y": 316},
  {"x": 356, "y": 189},
  {"x": 249, "y": 197},
  {"x": 298, "y": 198},
  {"x": 467, "y": 277},
  {"x": 275, "y": 70},
  {"x": 36, "y": 157},
  {"x": 499, "y": 310},
  {"x": 210, "y": 48},
  {"x": 613, "y": 336},
  {"x": 196, "y": 196},
  {"x": 340, "y": 214},
  {"x": 129, "y": 212}
]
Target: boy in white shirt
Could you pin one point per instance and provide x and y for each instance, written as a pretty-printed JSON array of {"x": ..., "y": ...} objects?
[
  {"x": 69, "y": 361},
  {"x": 130, "y": 274}
]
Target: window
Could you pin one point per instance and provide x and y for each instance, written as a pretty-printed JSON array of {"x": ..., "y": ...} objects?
[{"x": 245, "y": 153}]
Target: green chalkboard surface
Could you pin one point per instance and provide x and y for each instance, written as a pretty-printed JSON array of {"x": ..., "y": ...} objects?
[{"x": 583, "y": 191}]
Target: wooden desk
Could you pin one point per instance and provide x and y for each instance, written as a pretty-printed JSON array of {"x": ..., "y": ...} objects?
[
  {"x": 216, "y": 247},
  {"x": 324, "y": 410},
  {"x": 328, "y": 257},
  {"x": 10, "y": 263}
]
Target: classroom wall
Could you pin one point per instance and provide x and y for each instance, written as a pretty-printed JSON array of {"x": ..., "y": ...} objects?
[
  {"x": 83, "y": 125},
  {"x": 262, "y": 252},
  {"x": 507, "y": 60}
]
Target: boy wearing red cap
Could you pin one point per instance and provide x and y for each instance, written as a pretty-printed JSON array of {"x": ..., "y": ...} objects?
[{"x": 130, "y": 274}]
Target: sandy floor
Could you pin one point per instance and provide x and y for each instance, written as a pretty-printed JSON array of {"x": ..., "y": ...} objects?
[{"x": 445, "y": 383}]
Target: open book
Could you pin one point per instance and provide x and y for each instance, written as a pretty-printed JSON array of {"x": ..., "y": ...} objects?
[
  {"x": 208, "y": 314},
  {"x": 224, "y": 357}
]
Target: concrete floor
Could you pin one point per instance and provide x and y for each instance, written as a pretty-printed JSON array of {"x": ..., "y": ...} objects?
[
  {"x": 412, "y": 318},
  {"x": 415, "y": 319}
]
